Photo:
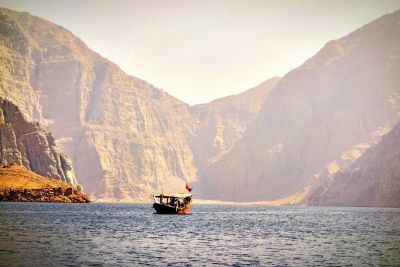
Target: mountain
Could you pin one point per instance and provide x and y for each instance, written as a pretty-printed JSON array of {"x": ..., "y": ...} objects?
[
  {"x": 125, "y": 137},
  {"x": 27, "y": 144},
  {"x": 319, "y": 118},
  {"x": 278, "y": 141},
  {"x": 218, "y": 125},
  {"x": 372, "y": 180}
]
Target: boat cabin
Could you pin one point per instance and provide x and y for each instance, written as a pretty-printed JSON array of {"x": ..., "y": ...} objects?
[
  {"x": 173, "y": 200},
  {"x": 175, "y": 203}
]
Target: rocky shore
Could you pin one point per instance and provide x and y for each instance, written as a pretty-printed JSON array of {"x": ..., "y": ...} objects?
[
  {"x": 21, "y": 185},
  {"x": 68, "y": 195}
]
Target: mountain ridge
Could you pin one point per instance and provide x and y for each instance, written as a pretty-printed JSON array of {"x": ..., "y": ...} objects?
[
  {"x": 219, "y": 124},
  {"x": 343, "y": 97},
  {"x": 128, "y": 139},
  {"x": 125, "y": 137},
  {"x": 373, "y": 180},
  {"x": 89, "y": 103}
]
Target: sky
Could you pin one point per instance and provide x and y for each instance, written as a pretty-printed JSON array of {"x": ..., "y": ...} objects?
[{"x": 202, "y": 50}]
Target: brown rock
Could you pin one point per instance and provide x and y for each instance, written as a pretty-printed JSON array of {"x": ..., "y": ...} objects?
[
  {"x": 372, "y": 180},
  {"x": 125, "y": 137},
  {"x": 320, "y": 117},
  {"x": 222, "y": 122},
  {"x": 20, "y": 184},
  {"x": 68, "y": 191},
  {"x": 26, "y": 144}
]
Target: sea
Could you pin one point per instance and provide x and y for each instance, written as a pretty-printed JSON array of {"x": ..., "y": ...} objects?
[{"x": 115, "y": 234}]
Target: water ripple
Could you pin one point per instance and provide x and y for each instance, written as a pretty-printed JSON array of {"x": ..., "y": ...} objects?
[{"x": 97, "y": 234}]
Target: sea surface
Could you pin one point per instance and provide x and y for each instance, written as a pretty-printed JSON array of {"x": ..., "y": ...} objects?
[{"x": 100, "y": 234}]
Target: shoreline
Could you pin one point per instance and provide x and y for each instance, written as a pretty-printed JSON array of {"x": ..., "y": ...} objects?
[
  {"x": 55, "y": 195},
  {"x": 18, "y": 184}
]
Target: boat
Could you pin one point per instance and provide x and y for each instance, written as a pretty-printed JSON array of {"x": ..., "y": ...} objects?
[{"x": 172, "y": 204}]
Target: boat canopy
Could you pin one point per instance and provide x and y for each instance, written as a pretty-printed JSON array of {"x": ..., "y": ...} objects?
[{"x": 174, "y": 195}]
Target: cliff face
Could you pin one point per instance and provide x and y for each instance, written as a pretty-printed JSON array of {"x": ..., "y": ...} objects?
[
  {"x": 125, "y": 137},
  {"x": 318, "y": 119},
  {"x": 26, "y": 144},
  {"x": 373, "y": 180},
  {"x": 218, "y": 125}
]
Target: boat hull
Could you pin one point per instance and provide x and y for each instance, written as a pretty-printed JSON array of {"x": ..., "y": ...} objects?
[{"x": 167, "y": 209}]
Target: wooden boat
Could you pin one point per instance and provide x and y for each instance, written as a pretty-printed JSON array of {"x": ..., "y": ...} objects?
[{"x": 172, "y": 204}]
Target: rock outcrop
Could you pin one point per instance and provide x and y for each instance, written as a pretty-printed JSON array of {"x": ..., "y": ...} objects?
[
  {"x": 320, "y": 117},
  {"x": 372, "y": 180},
  {"x": 125, "y": 138},
  {"x": 27, "y": 144},
  {"x": 21, "y": 185}
]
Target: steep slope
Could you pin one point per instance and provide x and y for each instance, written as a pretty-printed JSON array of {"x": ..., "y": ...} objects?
[
  {"x": 26, "y": 144},
  {"x": 319, "y": 118},
  {"x": 372, "y": 180},
  {"x": 125, "y": 137},
  {"x": 222, "y": 122}
]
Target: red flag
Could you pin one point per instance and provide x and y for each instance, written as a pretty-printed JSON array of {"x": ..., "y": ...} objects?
[{"x": 188, "y": 187}]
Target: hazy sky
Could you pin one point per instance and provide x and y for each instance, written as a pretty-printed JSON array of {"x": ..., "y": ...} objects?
[{"x": 202, "y": 50}]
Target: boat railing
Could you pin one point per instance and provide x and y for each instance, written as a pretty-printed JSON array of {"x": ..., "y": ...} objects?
[{"x": 172, "y": 200}]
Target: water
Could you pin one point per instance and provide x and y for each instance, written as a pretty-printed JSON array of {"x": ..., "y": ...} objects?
[{"x": 96, "y": 234}]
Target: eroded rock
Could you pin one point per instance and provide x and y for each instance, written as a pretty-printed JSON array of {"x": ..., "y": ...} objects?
[{"x": 27, "y": 144}]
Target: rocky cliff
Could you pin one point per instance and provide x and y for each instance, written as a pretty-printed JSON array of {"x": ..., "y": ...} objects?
[
  {"x": 125, "y": 137},
  {"x": 319, "y": 118},
  {"x": 27, "y": 144},
  {"x": 218, "y": 125},
  {"x": 372, "y": 180}
]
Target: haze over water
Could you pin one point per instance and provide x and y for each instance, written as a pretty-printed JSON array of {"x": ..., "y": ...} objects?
[{"x": 131, "y": 234}]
